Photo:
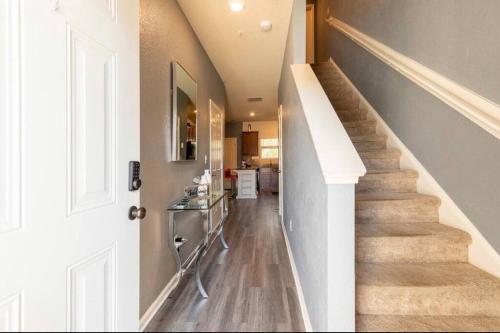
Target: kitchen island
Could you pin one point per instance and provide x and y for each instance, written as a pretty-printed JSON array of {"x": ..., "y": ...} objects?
[{"x": 247, "y": 183}]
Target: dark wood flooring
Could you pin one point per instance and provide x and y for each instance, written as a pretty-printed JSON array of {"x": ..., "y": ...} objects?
[{"x": 250, "y": 285}]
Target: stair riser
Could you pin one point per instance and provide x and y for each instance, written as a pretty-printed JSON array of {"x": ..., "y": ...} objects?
[
  {"x": 394, "y": 212},
  {"x": 335, "y": 89},
  {"x": 323, "y": 79},
  {"x": 370, "y": 145},
  {"x": 351, "y": 115},
  {"x": 361, "y": 130},
  {"x": 341, "y": 95},
  {"x": 338, "y": 91},
  {"x": 397, "y": 185},
  {"x": 381, "y": 163},
  {"x": 426, "y": 301},
  {"x": 344, "y": 104},
  {"x": 391, "y": 251},
  {"x": 323, "y": 68},
  {"x": 331, "y": 81},
  {"x": 328, "y": 76}
]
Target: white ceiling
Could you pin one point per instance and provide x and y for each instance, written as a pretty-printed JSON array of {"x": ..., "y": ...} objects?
[{"x": 248, "y": 59}]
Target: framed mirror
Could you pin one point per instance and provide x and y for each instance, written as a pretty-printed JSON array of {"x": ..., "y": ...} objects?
[{"x": 184, "y": 115}]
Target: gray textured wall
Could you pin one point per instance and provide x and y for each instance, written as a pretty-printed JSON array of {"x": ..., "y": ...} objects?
[
  {"x": 165, "y": 36},
  {"x": 305, "y": 194},
  {"x": 457, "y": 38}
]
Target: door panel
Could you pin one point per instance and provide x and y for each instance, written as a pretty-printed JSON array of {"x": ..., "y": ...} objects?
[
  {"x": 69, "y": 256},
  {"x": 230, "y": 153},
  {"x": 92, "y": 296},
  {"x": 216, "y": 155},
  {"x": 10, "y": 314},
  {"x": 10, "y": 145},
  {"x": 92, "y": 123},
  {"x": 280, "y": 171}
]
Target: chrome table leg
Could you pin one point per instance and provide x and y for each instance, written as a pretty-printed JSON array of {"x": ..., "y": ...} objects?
[
  {"x": 207, "y": 225},
  {"x": 199, "y": 284},
  {"x": 225, "y": 211},
  {"x": 222, "y": 240},
  {"x": 175, "y": 251}
]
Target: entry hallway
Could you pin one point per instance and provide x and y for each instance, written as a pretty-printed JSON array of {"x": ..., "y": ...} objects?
[{"x": 251, "y": 285}]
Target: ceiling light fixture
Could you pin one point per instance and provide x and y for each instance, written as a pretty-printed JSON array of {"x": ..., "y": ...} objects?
[
  {"x": 252, "y": 114},
  {"x": 236, "y": 5}
]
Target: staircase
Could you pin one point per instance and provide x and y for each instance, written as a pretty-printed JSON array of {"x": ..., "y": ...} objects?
[{"x": 412, "y": 273}]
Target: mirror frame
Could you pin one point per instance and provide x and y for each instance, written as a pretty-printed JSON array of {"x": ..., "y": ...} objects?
[{"x": 174, "y": 67}]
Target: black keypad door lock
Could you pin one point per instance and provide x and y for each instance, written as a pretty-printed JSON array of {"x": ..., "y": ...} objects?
[{"x": 134, "y": 174}]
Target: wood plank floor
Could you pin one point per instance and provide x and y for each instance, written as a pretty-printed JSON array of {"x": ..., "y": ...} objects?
[{"x": 251, "y": 285}]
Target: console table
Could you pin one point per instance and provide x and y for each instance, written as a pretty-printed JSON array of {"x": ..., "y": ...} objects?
[{"x": 205, "y": 206}]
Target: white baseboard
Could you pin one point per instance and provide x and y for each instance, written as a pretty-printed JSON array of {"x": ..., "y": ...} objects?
[
  {"x": 481, "y": 253},
  {"x": 157, "y": 304},
  {"x": 298, "y": 286}
]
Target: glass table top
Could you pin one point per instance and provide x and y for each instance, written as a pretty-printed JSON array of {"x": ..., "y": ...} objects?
[{"x": 198, "y": 203}]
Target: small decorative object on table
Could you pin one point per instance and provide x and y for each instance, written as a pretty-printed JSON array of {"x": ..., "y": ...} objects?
[{"x": 203, "y": 182}]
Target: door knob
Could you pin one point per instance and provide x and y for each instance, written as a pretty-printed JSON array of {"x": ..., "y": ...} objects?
[{"x": 136, "y": 213}]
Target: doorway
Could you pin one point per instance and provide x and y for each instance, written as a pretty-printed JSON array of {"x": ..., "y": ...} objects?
[
  {"x": 217, "y": 155},
  {"x": 280, "y": 168},
  {"x": 310, "y": 34}
]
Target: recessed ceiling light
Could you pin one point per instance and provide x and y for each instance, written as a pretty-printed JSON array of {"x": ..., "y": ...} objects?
[
  {"x": 236, "y": 5},
  {"x": 252, "y": 114}
]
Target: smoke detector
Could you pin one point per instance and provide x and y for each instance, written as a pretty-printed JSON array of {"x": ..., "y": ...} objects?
[{"x": 266, "y": 25}]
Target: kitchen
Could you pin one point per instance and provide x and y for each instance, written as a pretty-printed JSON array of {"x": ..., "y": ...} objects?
[{"x": 251, "y": 160}]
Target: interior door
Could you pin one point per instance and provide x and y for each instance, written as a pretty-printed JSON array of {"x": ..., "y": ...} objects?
[
  {"x": 280, "y": 170},
  {"x": 217, "y": 155},
  {"x": 69, "y": 88},
  {"x": 310, "y": 34},
  {"x": 230, "y": 153}
]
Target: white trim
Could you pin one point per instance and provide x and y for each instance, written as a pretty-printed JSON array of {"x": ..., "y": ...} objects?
[
  {"x": 296, "y": 279},
  {"x": 483, "y": 112},
  {"x": 158, "y": 303},
  {"x": 10, "y": 219},
  {"x": 339, "y": 161},
  {"x": 281, "y": 164},
  {"x": 481, "y": 253}
]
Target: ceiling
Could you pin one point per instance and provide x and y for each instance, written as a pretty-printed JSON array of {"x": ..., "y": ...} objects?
[{"x": 248, "y": 59}]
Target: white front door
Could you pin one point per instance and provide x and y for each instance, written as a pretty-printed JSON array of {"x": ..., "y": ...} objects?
[
  {"x": 69, "y": 124},
  {"x": 217, "y": 154}
]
